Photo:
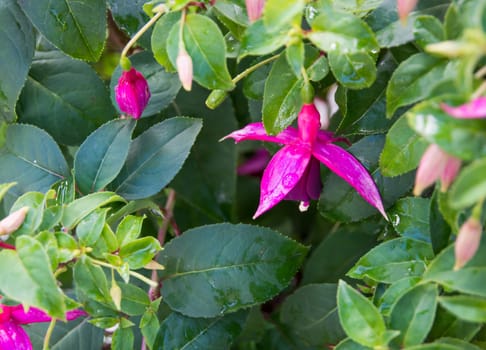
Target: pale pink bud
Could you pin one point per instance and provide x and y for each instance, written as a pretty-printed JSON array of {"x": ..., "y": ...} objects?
[
  {"x": 12, "y": 222},
  {"x": 435, "y": 164},
  {"x": 404, "y": 8},
  {"x": 254, "y": 9},
  {"x": 467, "y": 242},
  {"x": 132, "y": 93},
  {"x": 184, "y": 68}
]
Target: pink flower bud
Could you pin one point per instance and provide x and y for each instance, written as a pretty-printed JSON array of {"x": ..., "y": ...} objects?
[
  {"x": 404, "y": 8},
  {"x": 132, "y": 93},
  {"x": 467, "y": 242},
  {"x": 184, "y": 68},
  {"x": 254, "y": 9},
  {"x": 12, "y": 222}
]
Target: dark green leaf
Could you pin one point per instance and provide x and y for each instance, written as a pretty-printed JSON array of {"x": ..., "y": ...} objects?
[
  {"x": 254, "y": 83},
  {"x": 71, "y": 101},
  {"x": 440, "y": 231},
  {"x": 259, "y": 41},
  {"x": 349, "y": 344},
  {"x": 181, "y": 332},
  {"x": 311, "y": 314},
  {"x": 123, "y": 339},
  {"x": 17, "y": 47},
  {"x": 465, "y": 307},
  {"x": 77, "y": 28},
  {"x": 394, "y": 292},
  {"x": 31, "y": 158},
  {"x": 129, "y": 16},
  {"x": 393, "y": 260},
  {"x": 135, "y": 300},
  {"x": 427, "y": 30},
  {"x": 149, "y": 324},
  {"x": 233, "y": 16},
  {"x": 159, "y": 39},
  {"x": 355, "y": 70},
  {"x": 221, "y": 268},
  {"x": 208, "y": 56},
  {"x": 403, "y": 149},
  {"x": 413, "y": 314},
  {"x": 155, "y": 157},
  {"x": 414, "y": 80},
  {"x": 295, "y": 53},
  {"x": 163, "y": 86},
  {"x": 447, "y": 325},
  {"x": 102, "y": 154},
  {"x": 410, "y": 218},
  {"x": 470, "y": 186}
]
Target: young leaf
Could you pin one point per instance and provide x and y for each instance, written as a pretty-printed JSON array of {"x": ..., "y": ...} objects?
[
  {"x": 17, "y": 44},
  {"x": 89, "y": 229},
  {"x": 101, "y": 156},
  {"x": 155, "y": 157},
  {"x": 279, "y": 14},
  {"x": 77, "y": 28},
  {"x": 159, "y": 39},
  {"x": 428, "y": 30},
  {"x": 470, "y": 186},
  {"x": 413, "y": 314},
  {"x": 129, "y": 229},
  {"x": 233, "y": 266},
  {"x": 258, "y": 40},
  {"x": 123, "y": 339},
  {"x": 139, "y": 252},
  {"x": 355, "y": 70}
]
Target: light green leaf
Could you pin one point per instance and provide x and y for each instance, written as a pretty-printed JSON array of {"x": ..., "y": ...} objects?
[
  {"x": 465, "y": 307},
  {"x": 470, "y": 186},
  {"x": 278, "y": 14},
  {"x": 258, "y": 40},
  {"x": 90, "y": 227},
  {"x": 159, "y": 39},
  {"x": 355, "y": 70}
]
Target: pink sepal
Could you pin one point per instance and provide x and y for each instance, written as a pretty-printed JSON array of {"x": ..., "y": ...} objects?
[
  {"x": 471, "y": 110},
  {"x": 256, "y": 132}
]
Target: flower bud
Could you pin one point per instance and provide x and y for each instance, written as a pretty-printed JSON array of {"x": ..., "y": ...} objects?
[
  {"x": 12, "y": 222},
  {"x": 132, "y": 93},
  {"x": 467, "y": 242},
  {"x": 404, "y": 7},
  {"x": 184, "y": 68},
  {"x": 254, "y": 9},
  {"x": 215, "y": 98}
]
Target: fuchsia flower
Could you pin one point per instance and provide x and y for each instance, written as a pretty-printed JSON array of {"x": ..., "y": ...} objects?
[
  {"x": 293, "y": 172},
  {"x": 254, "y": 9},
  {"x": 184, "y": 68},
  {"x": 467, "y": 242},
  {"x": 405, "y": 7},
  {"x": 434, "y": 165},
  {"x": 471, "y": 110},
  {"x": 12, "y": 335},
  {"x": 132, "y": 93}
]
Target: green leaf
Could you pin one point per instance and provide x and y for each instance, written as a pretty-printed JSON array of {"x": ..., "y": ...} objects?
[
  {"x": 233, "y": 16},
  {"x": 139, "y": 252},
  {"x": 155, "y": 157},
  {"x": 208, "y": 56},
  {"x": 459, "y": 343},
  {"x": 413, "y": 314},
  {"x": 36, "y": 202},
  {"x": 181, "y": 332},
  {"x": 465, "y": 307},
  {"x": 228, "y": 267},
  {"x": 403, "y": 149},
  {"x": 470, "y": 186},
  {"x": 163, "y": 86},
  {"x": 101, "y": 156},
  {"x": 441, "y": 233},
  {"x": 428, "y": 30},
  {"x": 447, "y": 325},
  {"x": 77, "y": 28},
  {"x": 130, "y": 17},
  {"x": 410, "y": 218},
  {"x": 129, "y": 229},
  {"x": 80, "y": 208},
  {"x": 295, "y": 57},
  {"x": 349, "y": 344},
  {"x": 31, "y": 158},
  {"x": 159, "y": 39},
  {"x": 311, "y": 314},
  {"x": 414, "y": 80},
  {"x": 355, "y": 70},
  {"x": 74, "y": 96},
  {"x": 106, "y": 243},
  {"x": 91, "y": 281},
  {"x": 280, "y": 14},
  {"x": 393, "y": 260},
  {"x": 25, "y": 276},
  {"x": 258, "y": 40},
  {"x": 123, "y": 339},
  {"x": 149, "y": 324},
  {"x": 89, "y": 229},
  {"x": 134, "y": 299},
  {"x": 347, "y": 35},
  {"x": 360, "y": 319},
  {"x": 17, "y": 43},
  {"x": 393, "y": 293},
  {"x": 465, "y": 139}
]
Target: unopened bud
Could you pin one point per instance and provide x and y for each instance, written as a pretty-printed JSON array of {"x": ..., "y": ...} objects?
[
  {"x": 116, "y": 294},
  {"x": 132, "y": 93},
  {"x": 184, "y": 68},
  {"x": 452, "y": 49},
  {"x": 254, "y": 9},
  {"x": 404, "y": 7},
  {"x": 215, "y": 98},
  {"x": 12, "y": 222},
  {"x": 467, "y": 242}
]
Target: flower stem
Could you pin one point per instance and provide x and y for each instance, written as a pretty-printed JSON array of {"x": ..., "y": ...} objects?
[
  {"x": 132, "y": 273},
  {"x": 254, "y": 68},
  {"x": 142, "y": 30},
  {"x": 47, "y": 337},
  {"x": 479, "y": 91}
]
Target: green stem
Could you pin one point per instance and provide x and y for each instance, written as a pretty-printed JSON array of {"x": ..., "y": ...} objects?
[
  {"x": 142, "y": 30},
  {"x": 47, "y": 337},
  {"x": 479, "y": 91},
  {"x": 132, "y": 273},
  {"x": 477, "y": 210},
  {"x": 254, "y": 68}
]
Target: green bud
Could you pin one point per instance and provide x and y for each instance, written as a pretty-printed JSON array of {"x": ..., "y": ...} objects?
[
  {"x": 125, "y": 63},
  {"x": 215, "y": 98},
  {"x": 307, "y": 93}
]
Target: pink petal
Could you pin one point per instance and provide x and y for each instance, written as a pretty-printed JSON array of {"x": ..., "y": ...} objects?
[
  {"x": 451, "y": 169},
  {"x": 281, "y": 175},
  {"x": 256, "y": 131},
  {"x": 309, "y": 123},
  {"x": 351, "y": 170},
  {"x": 474, "y": 109},
  {"x": 13, "y": 337},
  {"x": 309, "y": 186},
  {"x": 430, "y": 168},
  {"x": 467, "y": 242},
  {"x": 34, "y": 315},
  {"x": 255, "y": 164},
  {"x": 254, "y": 9},
  {"x": 405, "y": 7}
]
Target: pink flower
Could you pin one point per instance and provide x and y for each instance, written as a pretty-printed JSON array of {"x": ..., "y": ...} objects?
[
  {"x": 254, "y": 9},
  {"x": 13, "y": 221},
  {"x": 293, "y": 172},
  {"x": 474, "y": 109},
  {"x": 184, "y": 68},
  {"x": 405, "y": 7},
  {"x": 132, "y": 93},
  {"x": 467, "y": 242},
  {"x": 434, "y": 165},
  {"x": 255, "y": 165},
  {"x": 12, "y": 335}
]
